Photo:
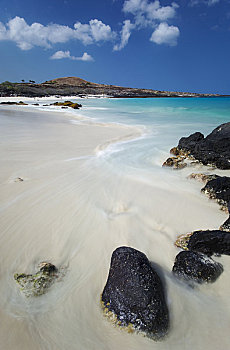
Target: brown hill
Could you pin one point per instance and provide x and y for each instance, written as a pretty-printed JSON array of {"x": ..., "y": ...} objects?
[{"x": 71, "y": 81}]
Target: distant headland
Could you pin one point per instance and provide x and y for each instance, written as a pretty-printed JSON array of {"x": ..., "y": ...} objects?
[{"x": 74, "y": 86}]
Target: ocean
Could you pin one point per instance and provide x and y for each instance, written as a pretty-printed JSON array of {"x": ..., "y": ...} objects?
[{"x": 83, "y": 205}]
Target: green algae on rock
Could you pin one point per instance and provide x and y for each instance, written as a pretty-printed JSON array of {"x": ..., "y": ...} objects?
[
  {"x": 67, "y": 104},
  {"x": 38, "y": 283}
]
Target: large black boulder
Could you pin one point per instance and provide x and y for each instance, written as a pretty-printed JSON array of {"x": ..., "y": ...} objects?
[
  {"x": 134, "y": 293},
  {"x": 213, "y": 149},
  {"x": 219, "y": 189},
  {"x": 196, "y": 267},
  {"x": 210, "y": 242}
]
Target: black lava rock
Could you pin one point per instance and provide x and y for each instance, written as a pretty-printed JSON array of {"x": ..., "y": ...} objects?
[
  {"x": 213, "y": 149},
  {"x": 210, "y": 242},
  {"x": 197, "y": 267},
  {"x": 226, "y": 225},
  {"x": 218, "y": 189},
  {"x": 134, "y": 293},
  {"x": 189, "y": 143}
]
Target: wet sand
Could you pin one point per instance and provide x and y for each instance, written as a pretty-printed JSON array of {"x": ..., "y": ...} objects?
[{"x": 73, "y": 209}]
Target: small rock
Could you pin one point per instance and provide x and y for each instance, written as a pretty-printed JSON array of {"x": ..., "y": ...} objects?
[
  {"x": 175, "y": 163},
  {"x": 18, "y": 179},
  {"x": 197, "y": 267},
  {"x": 39, "y": 283}
]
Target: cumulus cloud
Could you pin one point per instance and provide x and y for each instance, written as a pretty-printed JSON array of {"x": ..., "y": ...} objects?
[
  {"x": 149, "y": 11},
  {"x": 125, "y": 34},
  {"x": 66, "y": 54},
  {"x": 145, "y": 13},
  {"x": 148, "y": 14},
  {"x": 27, "y": 36},
  {"x": 165, "y": 34}
]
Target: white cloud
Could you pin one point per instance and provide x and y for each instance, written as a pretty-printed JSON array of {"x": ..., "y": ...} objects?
[
  {"x": 149, "y": 10},
  {"x": 125, "y": 35},
  {"x": 27, "y": 36},
  {"x": 85, "y": 57},
  {"x": 206, "y": 2},
  {"x": 165, "y": 34},
  {"x": 148, "y": 14},
  {"x": 66, "y": 54},
  {"x": 60, "y": 54},
  {"x": 100, "y": 31}
]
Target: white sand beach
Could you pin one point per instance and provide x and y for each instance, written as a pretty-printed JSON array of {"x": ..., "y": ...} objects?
[{"x": 73, "y": 209}]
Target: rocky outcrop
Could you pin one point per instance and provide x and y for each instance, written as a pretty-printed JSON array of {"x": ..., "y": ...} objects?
[
  {"x": 196, "y": 267},
  {"x": 134, "y": 296},
  {"x": 39, "y": 283},
  {"x": 210, "y": 242},
  {"x": 212, "y": 150},
  {"x": 67, "y": 104},
  {"x": 219, "y": 189}
]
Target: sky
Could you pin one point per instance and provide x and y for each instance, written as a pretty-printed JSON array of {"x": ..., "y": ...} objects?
[{"x": 179, "y": 45}]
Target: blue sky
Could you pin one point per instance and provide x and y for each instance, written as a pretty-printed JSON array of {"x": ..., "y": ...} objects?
[{"x": 164, "y": 45}]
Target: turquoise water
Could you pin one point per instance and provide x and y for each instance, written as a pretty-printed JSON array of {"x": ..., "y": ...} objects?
[{"x": 165, "y": 122}]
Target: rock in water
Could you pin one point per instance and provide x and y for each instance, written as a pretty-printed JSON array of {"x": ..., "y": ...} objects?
[
  {"x": 226, "y": 225},
  {"x": 197, "y": 267},
  {"x": 134, "y": 295},
  {"x": 40, "y": 282},
  {"x": 210, "y": 242},
  {"x": 219, "y": 189},
  {"x": 213, "y": 149},
  {"x": 203, "y": 177}
]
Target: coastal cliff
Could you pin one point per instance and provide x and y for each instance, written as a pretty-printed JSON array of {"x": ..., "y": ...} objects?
[{"x": 73, "y": 86}]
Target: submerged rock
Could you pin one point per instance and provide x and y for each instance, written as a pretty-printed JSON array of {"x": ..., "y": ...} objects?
[
  {"x": 134, "y": 296},
  {"x": 175, "y": 163},
  {"x": 18, "y": 179},
  {"x": 219, "y": 189},
  {"x": 40, "y": 282},
  {"x": 203, "y": 177},
  {"x": 20, "y": 103},
  {"x": 197, "y": 267},
  {"x": 67, "y": 104},
  {"x": 210, "y": 242}
]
